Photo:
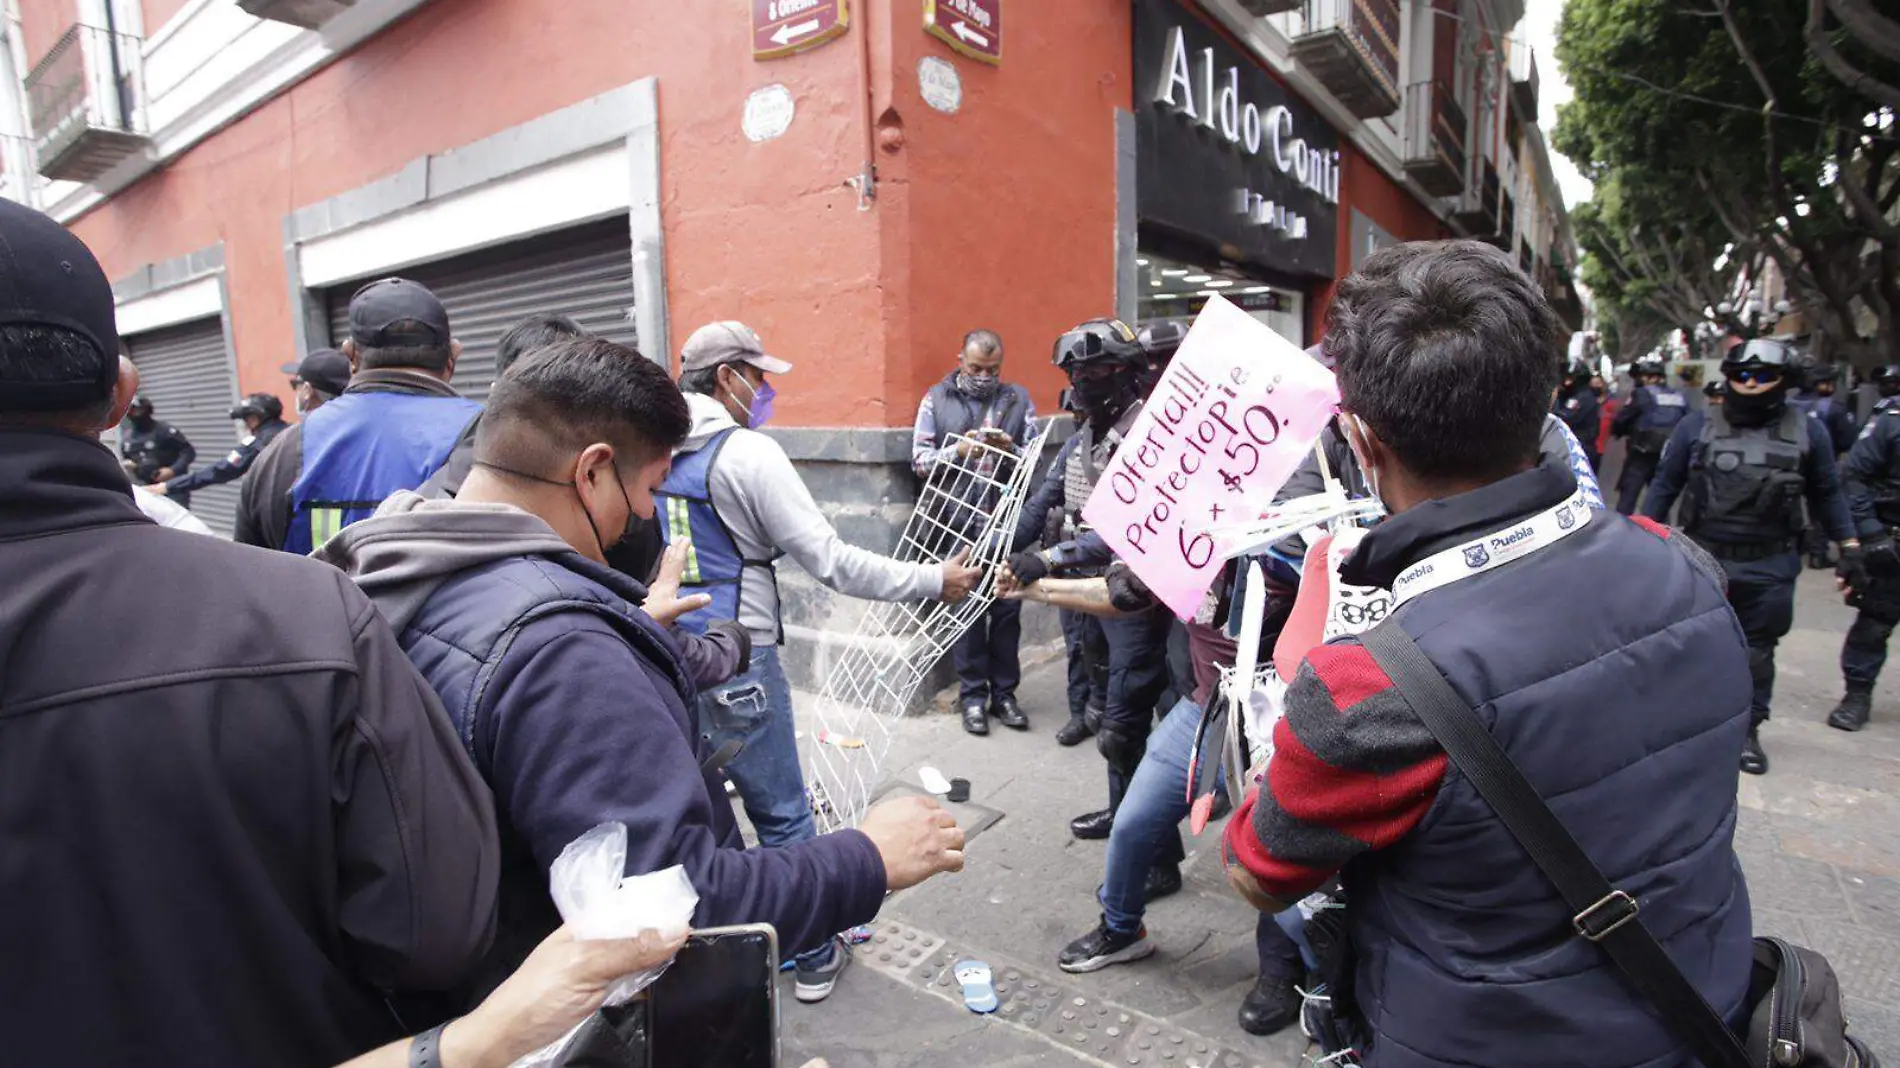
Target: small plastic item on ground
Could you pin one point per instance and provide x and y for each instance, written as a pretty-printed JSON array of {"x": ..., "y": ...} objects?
[
  {"x": 858, "y": 935},
  {"x": 979, "y": 986},
  {"x": 933, "y": 780},
  {"x": 598, "y": 900},
  {"x": 842, "y": 741},
  {"x": 959, "y": 790}
]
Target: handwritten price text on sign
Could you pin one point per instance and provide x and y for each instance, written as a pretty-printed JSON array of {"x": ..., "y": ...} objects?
[{"x": 1238, "y": 409}]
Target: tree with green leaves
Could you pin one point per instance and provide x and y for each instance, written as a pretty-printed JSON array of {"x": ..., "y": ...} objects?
[{"x": 1722, "y": 133}]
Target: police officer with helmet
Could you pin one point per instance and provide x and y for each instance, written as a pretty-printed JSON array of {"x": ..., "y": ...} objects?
[
  {"x": 1577, "y": 405},
  {"x": 263, "y": 416},
  {"x": 1160, "y": 339},
  {"x": 1107, "y": 369},
  {"x": 1744, "y": 470},
  {"x": 1652, "y": 414},
  {"x": 1872, "y": 475}
]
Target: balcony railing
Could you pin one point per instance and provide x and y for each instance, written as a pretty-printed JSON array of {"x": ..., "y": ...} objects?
[
  {"x": 1352, "y": 47},
  {"x": 1478, "y": 208},
  {"x": 1434, "y": 138},
  {"x": 1524, "y": 79},
  {"x": 1270, "y": 7},
  {"x": 84, "y": 103}
]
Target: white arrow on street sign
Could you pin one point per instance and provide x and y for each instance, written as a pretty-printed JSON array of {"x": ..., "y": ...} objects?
[
  {"x": 789, "y": 31},
  {"x": 963, "y": 30}
]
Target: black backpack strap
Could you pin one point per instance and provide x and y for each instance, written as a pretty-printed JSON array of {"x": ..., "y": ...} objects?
[{"x": 1601, "y": 913}]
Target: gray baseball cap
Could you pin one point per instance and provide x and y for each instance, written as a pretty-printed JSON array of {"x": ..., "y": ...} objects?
[{"x": 728, "y": 341}]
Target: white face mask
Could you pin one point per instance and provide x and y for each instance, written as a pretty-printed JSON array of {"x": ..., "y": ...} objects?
[{"x": 1356, "y": 441}]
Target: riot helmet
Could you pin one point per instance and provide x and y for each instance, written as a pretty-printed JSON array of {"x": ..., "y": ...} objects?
[
  {"x": 264, "y": 406},
  {"x": 1758, "y": 379},
  {"x": 140, "y": 412},
  {"x": 1646, "y": 368},
  {"x": 1105, "y": 364},
  {"x": 1160, "y": 339},
  {"x": 1887, "y": 380}
]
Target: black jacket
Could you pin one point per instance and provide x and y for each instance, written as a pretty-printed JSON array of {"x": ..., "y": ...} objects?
[
  {"x": 155, "y": 448},
  {"x": 264, "y": 512},
  {"x": 234, "y": 464},
  {"x": 232, "y": 812}
]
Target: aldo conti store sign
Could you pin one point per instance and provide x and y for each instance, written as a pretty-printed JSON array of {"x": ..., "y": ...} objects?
[{"x": 1227, "y": 154}]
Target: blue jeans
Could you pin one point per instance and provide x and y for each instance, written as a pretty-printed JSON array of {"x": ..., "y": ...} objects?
[
  {"x": 756, "y": 709},
  {"x": 1146, "y": 827}
]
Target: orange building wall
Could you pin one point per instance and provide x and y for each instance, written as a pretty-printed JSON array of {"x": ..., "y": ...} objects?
[
  {"x": 41, "y": 23},
  {"x": 1363, "y": 186}
]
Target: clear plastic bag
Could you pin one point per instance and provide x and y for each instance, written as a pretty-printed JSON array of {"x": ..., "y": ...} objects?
[{"x": 596, "y": 901}]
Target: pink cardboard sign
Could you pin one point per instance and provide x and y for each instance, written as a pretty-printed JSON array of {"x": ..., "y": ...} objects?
[{"x": 1238, "y": 409}]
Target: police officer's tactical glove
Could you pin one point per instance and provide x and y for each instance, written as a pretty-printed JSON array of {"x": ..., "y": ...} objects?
[
  {"x": 1853, "y": 568},
  {"x": 1126, "y": 591},
  {"x": 1883, "y": 558},
  {"x": 1028, "y": 567},
  {"x": 1122, "y": 748}
]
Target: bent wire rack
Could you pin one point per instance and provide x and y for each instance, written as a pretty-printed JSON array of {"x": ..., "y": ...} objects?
[{"x": 969, "y": 504}]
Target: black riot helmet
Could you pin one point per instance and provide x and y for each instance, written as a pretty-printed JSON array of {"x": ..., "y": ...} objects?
[
  {"x": 1577, "y": 369},
  {"x": 1646, "y": 367},
  {"x": 141, "y": 405},
  {"x": 1099, "y": 340},
  {"x": 1761, "y": 361},
  {"x": 1160, "y": 339},
  {"x": 1887, "y": 380},
  {"x": 1759, "y": 355},
  {"x": 264, "y": 406},
  {"x": 1106, "y": 367}
]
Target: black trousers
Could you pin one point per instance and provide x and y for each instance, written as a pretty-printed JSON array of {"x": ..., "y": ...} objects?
[
  {"x": 1762, "y": 594},
  {"x": 988, "y": 657},
  {"x": 1638, "y": 469}
]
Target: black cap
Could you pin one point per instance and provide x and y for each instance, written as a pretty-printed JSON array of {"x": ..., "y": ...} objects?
[
  {"x": 396, "y": 312},
  {"x": 326, "y": 369},
  {"x": 49, "y": 278}
]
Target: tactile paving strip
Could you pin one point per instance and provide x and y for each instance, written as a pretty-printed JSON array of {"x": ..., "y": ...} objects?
[{"x": 1047, "y": 1004}]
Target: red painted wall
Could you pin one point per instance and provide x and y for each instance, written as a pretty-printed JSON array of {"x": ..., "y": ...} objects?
[
  {"x": 1363, "y": 186},
  {"x": 41, "y": 23},
  {"x": 158, "y": 12}
]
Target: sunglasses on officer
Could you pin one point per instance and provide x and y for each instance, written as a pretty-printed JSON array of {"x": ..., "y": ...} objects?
[{"x": 1756, "y": 376}]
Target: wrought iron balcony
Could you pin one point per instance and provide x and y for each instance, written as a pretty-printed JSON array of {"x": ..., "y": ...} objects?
[
  {"x": 1434, "y": 138},
  {"x": 309, "y": 14},
  {"x": 1352, "y": 47},
  {"x": 1477, "y": 211},
  {"x": 1524, "y": 80},
  {"x": 84, "y": 102}
]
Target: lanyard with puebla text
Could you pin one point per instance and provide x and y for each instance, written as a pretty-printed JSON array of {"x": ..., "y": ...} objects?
[{"x": 1496, "y": 549}]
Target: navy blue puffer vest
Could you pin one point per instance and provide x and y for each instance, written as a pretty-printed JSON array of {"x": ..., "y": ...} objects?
[{"x": 1630, "y": 727}]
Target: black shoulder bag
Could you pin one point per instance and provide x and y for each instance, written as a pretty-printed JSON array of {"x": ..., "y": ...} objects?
[{"x": 1795, "y": 1019}]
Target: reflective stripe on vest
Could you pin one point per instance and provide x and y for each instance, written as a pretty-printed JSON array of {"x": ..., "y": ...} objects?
[{"x": 360, "y": 448}]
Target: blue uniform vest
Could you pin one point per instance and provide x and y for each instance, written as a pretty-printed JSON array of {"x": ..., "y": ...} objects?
[
  {"x": 362, "y": 447},
  {"x": 1658, "y": 419},
  {"x": 1465, "y": 952},
  {"x": 714, "y": 564}
]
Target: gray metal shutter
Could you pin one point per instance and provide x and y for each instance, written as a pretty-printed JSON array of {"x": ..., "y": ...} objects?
[
  {"x": 188, "y": 373},
  {"x": 585, "y": 273}
]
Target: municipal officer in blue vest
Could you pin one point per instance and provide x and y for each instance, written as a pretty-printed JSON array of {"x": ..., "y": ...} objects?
[
  {"x": 1646, "y": 423},
  {"x": 1744, "y": 470},
  {"x": 974, "y": 400},
  {"x": 735, "y": 493},
  {"x": 391, "y": 429}
]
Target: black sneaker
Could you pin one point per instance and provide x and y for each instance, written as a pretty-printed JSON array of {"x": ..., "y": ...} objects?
[
  {"x": 1163, "y": 880},
  {"x": 816, "y": 980},
  {"x": 1102, "y": 947},
  {"x": 1272, "y": 1004}
]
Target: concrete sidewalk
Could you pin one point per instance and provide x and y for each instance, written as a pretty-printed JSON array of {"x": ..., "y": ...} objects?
[{"x": 1819, "y": 838}]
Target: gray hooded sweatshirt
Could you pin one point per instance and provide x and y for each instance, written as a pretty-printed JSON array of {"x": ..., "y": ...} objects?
[
  {"x": 759, "y": 496},
  {"x": 413, "y": 544}
]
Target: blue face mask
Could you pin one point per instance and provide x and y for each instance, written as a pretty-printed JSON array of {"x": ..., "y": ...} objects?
[{"x": 759, "y": 412}]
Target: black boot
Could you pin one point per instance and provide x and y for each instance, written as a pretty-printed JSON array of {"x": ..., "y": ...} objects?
[
  {"x": 1009, "y": 713},
  {"x": 1851, "y": 714},
  {"x": 1163, "y": 880},
  {"x": 1754, "y": 761},
  {"x": 1093, "y": 826},
  {"x": 1272, "y": 1004},
  {"x": 1074, "y": 732}
]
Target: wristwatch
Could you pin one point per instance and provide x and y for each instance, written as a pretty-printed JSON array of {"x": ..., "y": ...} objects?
[{"x": 425, "y": 1050}]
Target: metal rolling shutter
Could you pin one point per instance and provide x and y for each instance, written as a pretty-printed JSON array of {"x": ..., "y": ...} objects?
[
  {"x": 585, "y": 273},
  {"x": 188, "y": 373}
]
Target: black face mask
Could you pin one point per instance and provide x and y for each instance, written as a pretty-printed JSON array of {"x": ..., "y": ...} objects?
[
  {"x": 1101, "y": 399},
  {"x": 143, "y": 422},
  {"x": 1753, "y": 409},
  {"x": 633, "y": 518}
]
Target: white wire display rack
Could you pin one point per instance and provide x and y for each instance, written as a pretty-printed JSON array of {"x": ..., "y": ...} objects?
[{"x": 969, "y": 504}]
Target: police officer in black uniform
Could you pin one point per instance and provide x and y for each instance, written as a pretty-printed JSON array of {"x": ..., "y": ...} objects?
[
  {"x": 1578, "y": 405},
  {"x": 1872, "y": 475},
  {"x": 1744, "y": 470},
  {"x": 1107, "y": 370},
  {"x": 1652, "y": 414},
  {"x": 1818, "y": 400},
  {"x": 157, "y": 450},
  {"x": 263, "y": 416}
]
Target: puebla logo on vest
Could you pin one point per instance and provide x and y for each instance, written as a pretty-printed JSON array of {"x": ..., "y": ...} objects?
[
  {"x": 1565, "y": 518},
  {"x": 1476, "y": 556}
]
